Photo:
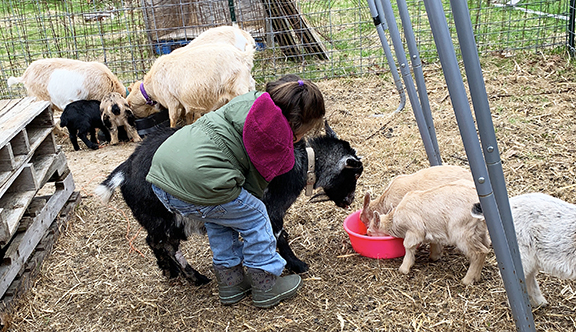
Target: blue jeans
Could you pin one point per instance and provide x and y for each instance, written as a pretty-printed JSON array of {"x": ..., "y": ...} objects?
[{"x": 246, "y": 216}]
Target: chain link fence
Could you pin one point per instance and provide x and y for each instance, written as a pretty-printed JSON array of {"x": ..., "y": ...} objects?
[{"x": 313, "y": 38}]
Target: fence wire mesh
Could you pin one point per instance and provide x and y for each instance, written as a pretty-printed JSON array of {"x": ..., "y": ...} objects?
[{"x": 313, "y": 38}]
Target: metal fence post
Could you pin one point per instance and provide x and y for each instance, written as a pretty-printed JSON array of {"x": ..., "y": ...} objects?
[
  {"x": 486, "y": 128},
  {"x": 381, "y": 26},
  {"x": 384, "y": 8},
  {"x": 486, "y": 168},
  {"x": 513, "y": 279},
  {"x": 571, "y": 18}
]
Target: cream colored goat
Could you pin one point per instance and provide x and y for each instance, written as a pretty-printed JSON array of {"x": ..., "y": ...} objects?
[
  {"x": 423, "y": 179},
  {"x": 194, "y": 81},
  {"x": 62, "y": 81},
  {"x": 232, "y": 35},
  {"x": 439, "y": 216}
]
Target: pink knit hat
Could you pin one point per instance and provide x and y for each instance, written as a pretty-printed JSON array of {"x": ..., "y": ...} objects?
[{"x": 268, "y": 138}]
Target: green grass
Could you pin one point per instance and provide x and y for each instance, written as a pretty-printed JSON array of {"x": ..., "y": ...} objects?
[{"x": 33, "y": 29}]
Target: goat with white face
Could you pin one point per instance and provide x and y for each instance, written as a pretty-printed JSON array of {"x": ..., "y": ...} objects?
[
  {"x": 439, "y": 216},
  {"x": 546, "y": 233}
]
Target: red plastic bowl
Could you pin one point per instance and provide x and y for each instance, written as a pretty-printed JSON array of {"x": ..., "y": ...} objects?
[{"x": 371, "y": 246}]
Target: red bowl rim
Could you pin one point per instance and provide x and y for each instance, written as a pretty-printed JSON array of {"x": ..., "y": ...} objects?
[{"x": 365, "y": 237}]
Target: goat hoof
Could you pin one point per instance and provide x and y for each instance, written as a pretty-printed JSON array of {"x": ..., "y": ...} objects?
[
  {"x": 297, "y": 267},
  {"x": 170, "y": 274},
  {"x": 201, "y": 280}
]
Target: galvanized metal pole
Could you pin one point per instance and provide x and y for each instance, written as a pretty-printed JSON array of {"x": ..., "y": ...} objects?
[
  {"x": 571, "y": 31},
  {"x": 418, "y": 73},
  {"x": 380, "y": 24},
  {"x": 384, "y": 8},
  {"x": 486, "y": 129},
  {"x": 515, "y": 289}
]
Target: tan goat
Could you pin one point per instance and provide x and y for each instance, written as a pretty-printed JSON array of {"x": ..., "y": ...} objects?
[
  {"x": 423, "y": 179},
  {"x": 193, "y": 82},
  {"x": 201, "y": 72},
  {"x": 62, "y": 81},
  {"x": 232, "y": 35},
  {"x": 439, "y": 216}
]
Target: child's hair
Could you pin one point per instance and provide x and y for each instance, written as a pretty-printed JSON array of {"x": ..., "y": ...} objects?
[{"x": 300, "y": 100}]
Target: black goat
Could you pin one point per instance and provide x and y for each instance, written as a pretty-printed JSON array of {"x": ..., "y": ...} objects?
[
  {"x": 82, "y": 117},
  {"x": 337, "y": 170}
]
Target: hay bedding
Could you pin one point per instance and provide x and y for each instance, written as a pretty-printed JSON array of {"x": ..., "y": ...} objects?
[{"x": 95, "y": 281}]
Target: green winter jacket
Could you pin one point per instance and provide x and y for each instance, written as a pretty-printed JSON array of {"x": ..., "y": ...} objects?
[{"x": 206, "y": 163}]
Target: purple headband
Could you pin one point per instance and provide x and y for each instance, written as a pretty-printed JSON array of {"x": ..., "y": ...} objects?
[{"x": 300, "y": 82}]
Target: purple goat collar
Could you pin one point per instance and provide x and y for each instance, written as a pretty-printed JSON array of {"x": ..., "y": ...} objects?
[{"x": 149, "y": 100}]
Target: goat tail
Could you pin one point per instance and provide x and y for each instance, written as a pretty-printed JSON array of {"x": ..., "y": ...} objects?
[
  {"x": 106, "y": 189},
  {"x": 14, "y": 80}
]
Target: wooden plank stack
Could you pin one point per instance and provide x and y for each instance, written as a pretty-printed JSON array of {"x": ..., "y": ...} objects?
[
  {"x": 31, "y": 165},
  {"x": 285, "y": 14}
]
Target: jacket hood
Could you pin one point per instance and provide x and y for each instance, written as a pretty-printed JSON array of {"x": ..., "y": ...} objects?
[{"x": 267, "y": 138}]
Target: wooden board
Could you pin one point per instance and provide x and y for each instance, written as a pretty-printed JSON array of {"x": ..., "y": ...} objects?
[
  {"x": 15, "y": 200},
  {"x": 29, "y": 271},
  {"x": 19, "y": 116},
  {"x": 25, "y": 244}
]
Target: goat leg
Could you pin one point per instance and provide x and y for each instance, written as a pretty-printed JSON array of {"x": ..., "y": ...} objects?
[
  {"x": 172, "y": 262},
  {"x": 86, "y": 141},
  {"x": 113, "y": 135},
  {"x": 188, "y": 271},
  {"x": 93, "y": 137},
  {"x": 292, "y": 262},
  {"x": 133, "y": 133},
  {"x": 106, "y": 132},
  {"x": 168, "y": 266},
  {"x": 74, "y": 140}
]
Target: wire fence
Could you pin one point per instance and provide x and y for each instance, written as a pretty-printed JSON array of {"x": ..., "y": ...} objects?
[{"x": 313, "y": 38}]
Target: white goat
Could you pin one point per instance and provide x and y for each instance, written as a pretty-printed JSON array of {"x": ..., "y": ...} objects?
[
  {"x": 423, "y": 179},
  {"x": 194, "y": 81},
  {"x": 546, "y": 233},
  {"x": 439, "y": 216},
  {"x": 62, "y": 81}
]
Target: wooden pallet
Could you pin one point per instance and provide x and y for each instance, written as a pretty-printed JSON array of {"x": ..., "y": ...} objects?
[
  {"x": 29, "y": 156},
  {"x": 30, "y": 163},
  {"x": 28, "y": 272}
]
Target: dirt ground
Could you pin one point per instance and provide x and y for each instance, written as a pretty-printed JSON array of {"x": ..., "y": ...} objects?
[{"x": 101, "y": 276}]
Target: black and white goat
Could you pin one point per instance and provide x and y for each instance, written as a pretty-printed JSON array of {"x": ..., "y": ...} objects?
[
  {"x": 337, "y": 169},
  {"x": 82, "y": 117}
]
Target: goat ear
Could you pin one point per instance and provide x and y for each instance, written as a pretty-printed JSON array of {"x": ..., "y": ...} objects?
[
  {"x": 352, "y": 162},
  {"x": 375, "y": 222},
  {"x": 366, "y": 201},
  {"x": 329, "y": 131},
  {"x": 477, "y": 211}
]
